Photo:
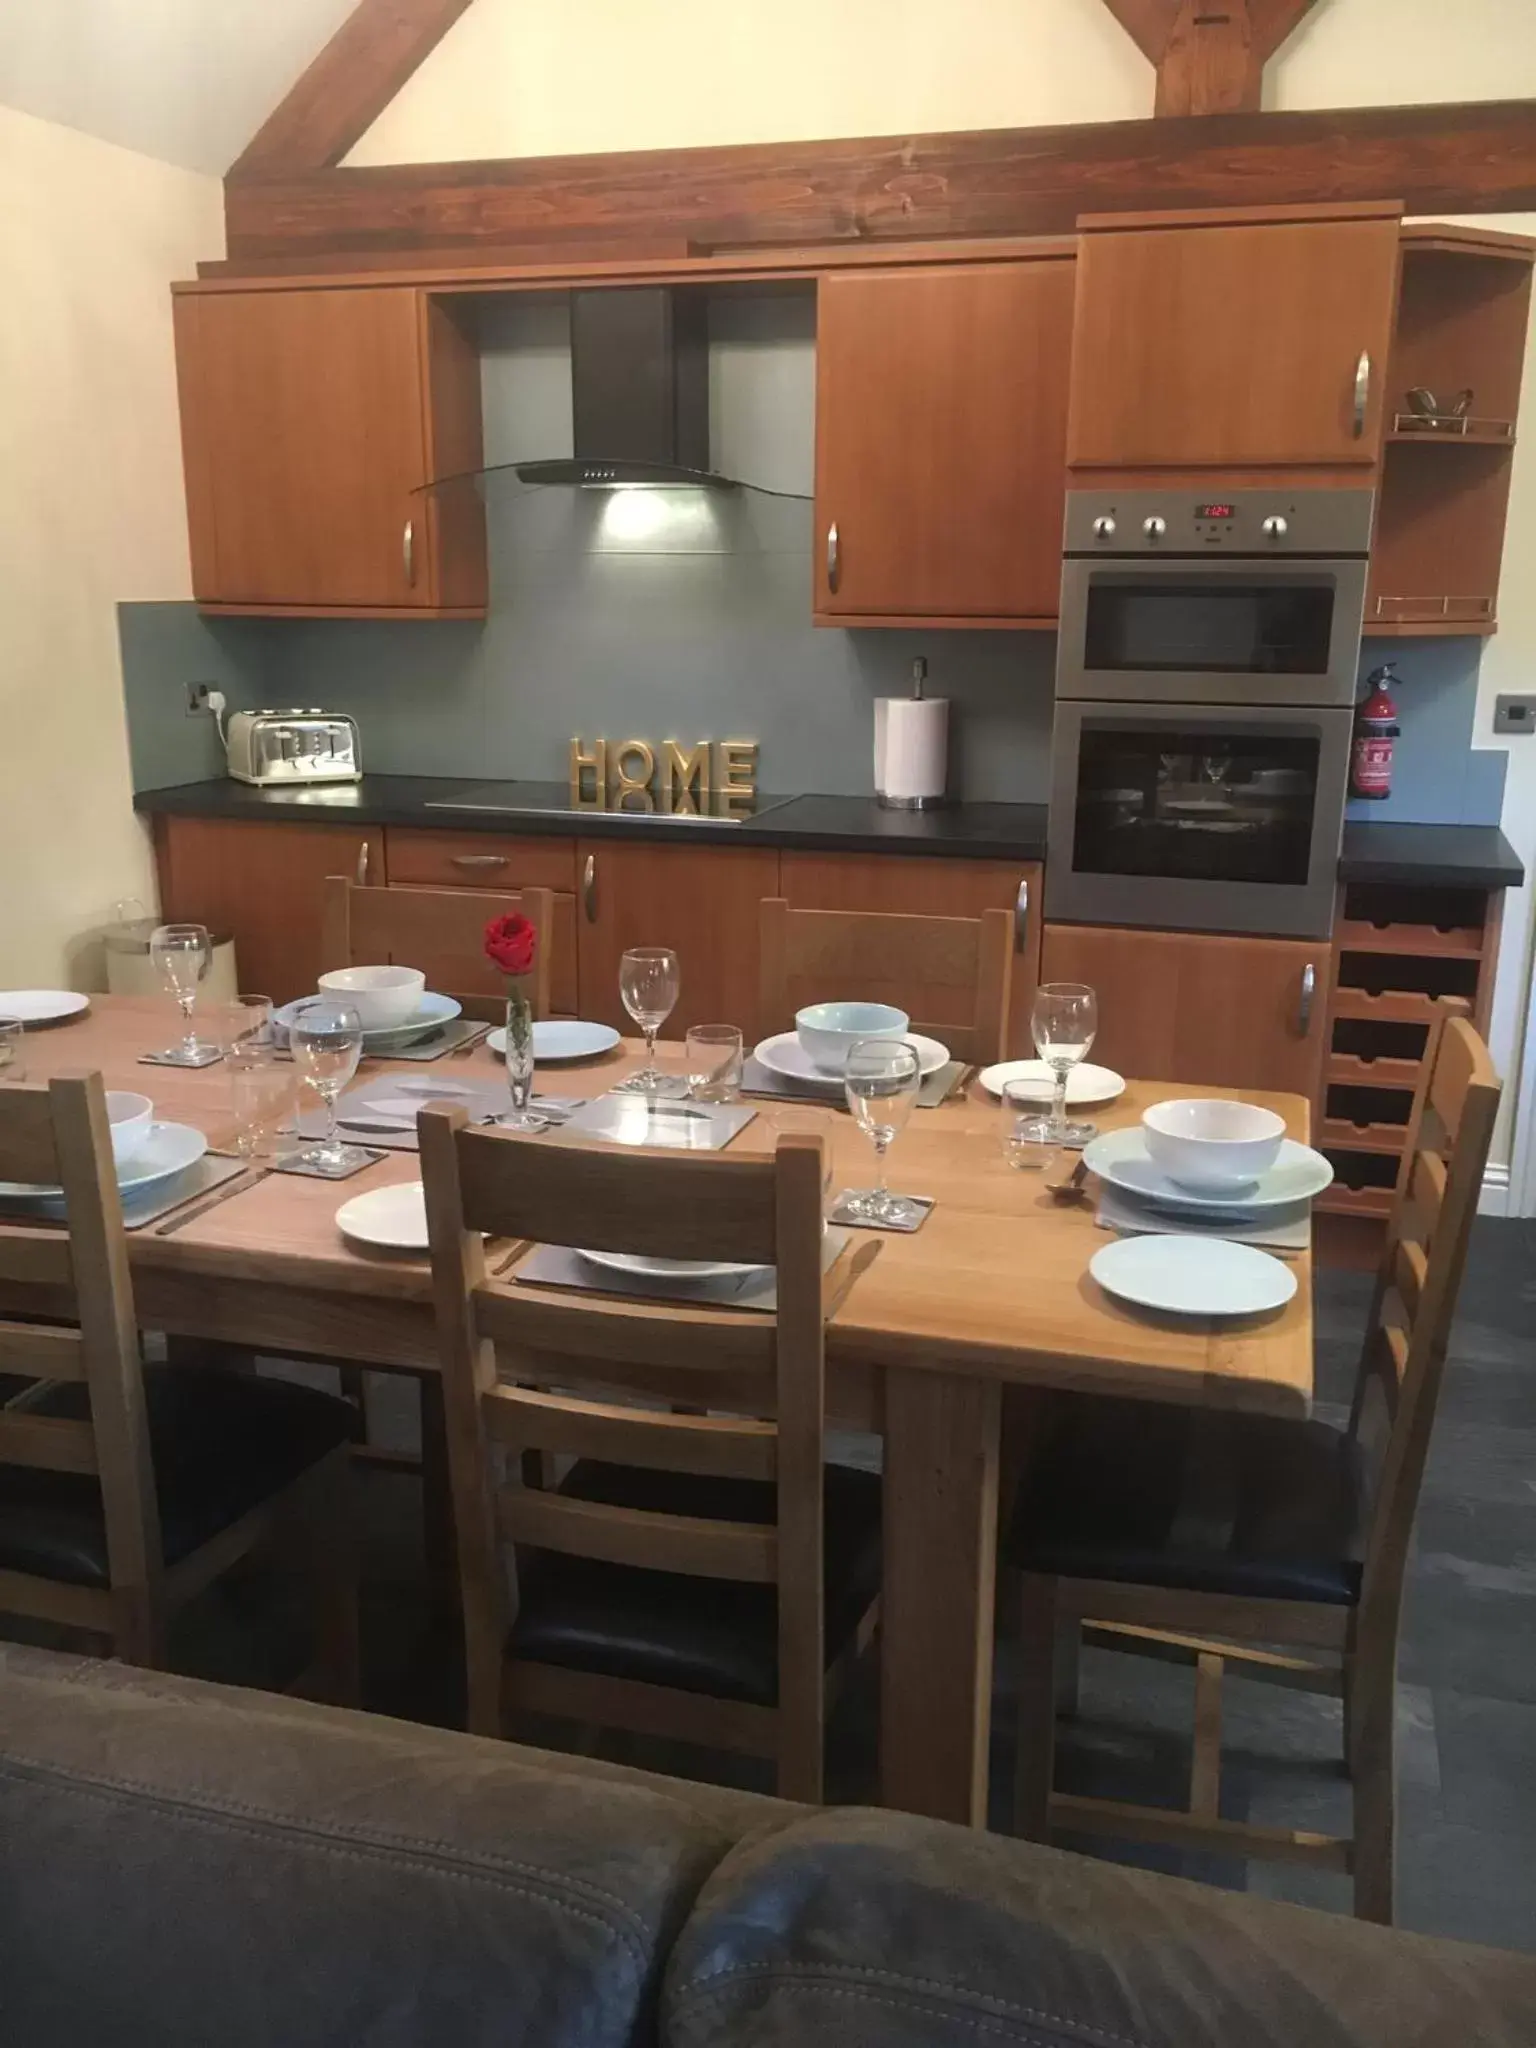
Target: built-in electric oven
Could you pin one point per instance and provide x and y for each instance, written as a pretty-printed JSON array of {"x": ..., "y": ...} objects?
[{"x": 1205, "y": 682}]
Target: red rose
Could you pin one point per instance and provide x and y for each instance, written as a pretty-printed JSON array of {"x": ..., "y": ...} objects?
[{"x": 510, "y": 943}]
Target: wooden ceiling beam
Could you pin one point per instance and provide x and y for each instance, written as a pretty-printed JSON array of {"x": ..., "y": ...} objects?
[
  {"x": 1476, "y": 157},
  {"x": 348, "y": 86},
  {"x": 1209, "y": 54}
]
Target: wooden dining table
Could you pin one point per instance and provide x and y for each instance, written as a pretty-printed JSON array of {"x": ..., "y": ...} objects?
[{"x": 993, "y": 1292}]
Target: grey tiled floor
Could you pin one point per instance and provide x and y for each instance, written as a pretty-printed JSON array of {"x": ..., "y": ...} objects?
[{"x": 1467, "y": 1706}]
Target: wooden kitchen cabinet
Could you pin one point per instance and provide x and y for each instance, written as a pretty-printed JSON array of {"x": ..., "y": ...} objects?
[
  {"x": 310, "y": 420},
  {"x": 1190, "y": 1006},
  {"x": 700, "y": 900},
  {"x": 941, "y": 397},
  {"x": 264, "y": 884},
  {"x": 1232, "y": 340},
  {"x": 490, "y": 862},
  {"x": 927, "y": 887}
]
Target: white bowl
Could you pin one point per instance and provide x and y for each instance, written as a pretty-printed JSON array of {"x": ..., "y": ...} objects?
[
  {"x": 1212, "y": 1143},
  {"x": 382, "y": 996},
  {"x": 827, "y": 1030},
  {"x": 131, "y": 1117}
]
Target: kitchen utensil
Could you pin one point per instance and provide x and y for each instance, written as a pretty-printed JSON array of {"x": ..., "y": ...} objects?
[
  {"x": 385, "y": 998},
  {"x": 181, "y": 953},
  {"x": 881, "y": 1076},
  {"x": 1192, "y": 1276},
  {"x": 389, "y": 1219},
  {"x": 42, "y": 1005},
  {"x": 1085, "y": 1082},
  {"x": 1212, "y": 1145},
  {"x": 271, "y": 748},
  {"x": 13, "y": 1066},
  {"x": 667, "y": 1269},
  {"x": 649, "y": 984},
  {"x": 1064, "y": 1021},
  {"x": 190, "y": 1214},
  {"x": 784, "y": 1054},
  {"x": 1074, "y": 1187},
  {"x": 167, "y": 1149},
  {"x": 1025, "y": 1131},
  {"x": 327, "y": 1042},
  {"x": 1121, "y": 1157},
  {"x": 712, "y": 1057},
  {"x": 432, "y": 1014},
  {"x": 561, "y": 1038},
  {"x": 827, "y": 1031},
  {"x": 131, "y": 1119}
]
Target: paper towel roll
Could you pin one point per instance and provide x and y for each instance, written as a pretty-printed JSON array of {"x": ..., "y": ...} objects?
[{"x": 911, "y": 747}]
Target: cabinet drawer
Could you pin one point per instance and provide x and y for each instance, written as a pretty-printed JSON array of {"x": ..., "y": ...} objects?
[{"x": 480, "y": 860}]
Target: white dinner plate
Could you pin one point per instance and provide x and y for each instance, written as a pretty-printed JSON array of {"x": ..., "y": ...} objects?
[
  {"x": 169, "y": 1148},
  {"x": 1121, "y": 1158},
  {"x": 392, "y": 1219},
  {"x": 562, "y": 1038},
  {"x": 667, "y": 1269},
  {"x": 42, "y": 1005},
  {"x": 784, "y": 1054},
  {"x": 434, "y": 1012},
  {"x": 1193, "y": 1276},
  {"x": 1085, "y": 1083}
]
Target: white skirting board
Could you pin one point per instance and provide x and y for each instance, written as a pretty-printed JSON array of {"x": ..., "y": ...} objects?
[{"x": 1497, "y": 1197}]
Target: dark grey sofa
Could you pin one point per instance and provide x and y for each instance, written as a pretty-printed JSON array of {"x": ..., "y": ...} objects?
[{"x": 184, "y": 1865}]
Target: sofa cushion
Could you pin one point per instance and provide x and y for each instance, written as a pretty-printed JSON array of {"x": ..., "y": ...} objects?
[
  {"x": 220, "y": 1444},
  {"x": 182, "y": 1864},
  {"x": 714, "y": 1636},
  {"x": 869, "y": 1928}
]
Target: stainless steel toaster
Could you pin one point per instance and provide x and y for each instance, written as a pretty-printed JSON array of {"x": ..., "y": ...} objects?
[{"x": 275, "y": 747}]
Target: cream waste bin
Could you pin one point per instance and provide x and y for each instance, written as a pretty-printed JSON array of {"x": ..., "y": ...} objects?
[{"x": 131, "y": 972}]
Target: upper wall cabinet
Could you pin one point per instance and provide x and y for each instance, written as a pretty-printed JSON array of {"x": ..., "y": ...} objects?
[
  {"x": 1232, "y": 341},
  {"x": 941, "y": 400},
  {"x": 310, "y": 420}
]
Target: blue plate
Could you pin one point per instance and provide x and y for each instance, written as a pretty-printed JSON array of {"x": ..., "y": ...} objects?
[{"x": 433, "y": 1014}]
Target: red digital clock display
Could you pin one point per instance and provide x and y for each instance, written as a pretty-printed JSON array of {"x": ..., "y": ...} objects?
[{"x": 1215, "y": 511}]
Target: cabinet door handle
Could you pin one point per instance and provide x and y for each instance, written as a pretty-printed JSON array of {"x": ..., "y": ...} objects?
[
  {"x": 834, "y": 557},
  {"x": 589, "y": 888},
  {"x": 1362, "y": 391},
  {"x": 408, "y": 553},
  {"x": 1021, "y": 916},
  {"x": 362, "y": 864},
  {"x": 478, "y": 860},
  {"x": 1304, "y": 1007}
]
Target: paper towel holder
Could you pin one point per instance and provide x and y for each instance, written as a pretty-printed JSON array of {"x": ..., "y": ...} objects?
[{"x": 931, "y": 801}]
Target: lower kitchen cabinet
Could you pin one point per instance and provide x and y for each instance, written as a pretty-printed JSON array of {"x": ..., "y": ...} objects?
[
  {"x": 495, "y": 864},
  {"x": 928, "y": 887},
  {"x": 1189, "y": 1006},
  {"x": 700, "y": 900},
  {"x": 265, "y": 884}
]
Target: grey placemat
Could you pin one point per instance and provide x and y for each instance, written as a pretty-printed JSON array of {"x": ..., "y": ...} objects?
[
  {"x": 1287, "y": 1230},
  {"x": 558, "y": 1265},
  {"x": 619, "y": 1119},
  {"x": 756, "y": 1079}
]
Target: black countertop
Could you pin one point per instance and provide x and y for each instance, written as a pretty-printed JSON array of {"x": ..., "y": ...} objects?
[
  {"x": 815, "y": 824},
  {"x": 1447, "y": 856}
]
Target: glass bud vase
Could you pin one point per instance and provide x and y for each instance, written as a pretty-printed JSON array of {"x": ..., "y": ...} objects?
[{"x": 519, "y": 1056}]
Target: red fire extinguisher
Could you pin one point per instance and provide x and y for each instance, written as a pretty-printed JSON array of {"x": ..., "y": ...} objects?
[{"x": 1376, "y": 727}]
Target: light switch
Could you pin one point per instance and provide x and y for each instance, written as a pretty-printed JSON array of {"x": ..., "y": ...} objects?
[{"x": 1514, "y": 714}]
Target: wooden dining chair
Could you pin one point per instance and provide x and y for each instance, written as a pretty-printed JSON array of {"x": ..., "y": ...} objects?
[
  {"x": 125, "y": 1491},
  {"x": 1203, "y": 1536},
  {"x": 692, "y": 1576},
  {"x": 963, "y": 965},
  {"x": 441, "y": 931}
]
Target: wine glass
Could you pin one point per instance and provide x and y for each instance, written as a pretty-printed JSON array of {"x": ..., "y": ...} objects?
[
  {"x": 1064, "y": 1020},
  {"x": 181, "y": 953},
  {"x": 881, "y": 1081},
  {"x": 327, "y": 1041},
  {"x": 649, "y": 984}
]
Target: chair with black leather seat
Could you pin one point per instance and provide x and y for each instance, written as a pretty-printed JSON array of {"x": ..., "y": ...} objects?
[
  {"x": 1199, "y": 1535},
  {"x": 126, "y": 1490},
  {"x": 695, "y": 1576}
]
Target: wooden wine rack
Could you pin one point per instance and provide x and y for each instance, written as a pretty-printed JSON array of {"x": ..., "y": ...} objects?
[{"x": 1402, "y": 959}]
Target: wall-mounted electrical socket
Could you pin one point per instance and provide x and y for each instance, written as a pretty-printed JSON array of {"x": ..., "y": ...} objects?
[
  {"x": 203, "y": 697},
  {"x": 1514, "y": 714}
]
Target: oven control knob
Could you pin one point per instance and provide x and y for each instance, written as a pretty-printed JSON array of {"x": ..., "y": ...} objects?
[
  {"x": 1104, "y": 527},
  {"x": 1276, "y": 526},
  {"x": 1154, "y": 527}
]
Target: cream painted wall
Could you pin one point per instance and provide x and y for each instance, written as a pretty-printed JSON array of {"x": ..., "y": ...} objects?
[
  {"x": 92, "y": 512},
  {"x": 511, "y": 79}
]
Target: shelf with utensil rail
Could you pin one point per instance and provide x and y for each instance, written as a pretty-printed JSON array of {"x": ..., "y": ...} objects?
[{"x": 1404, "y": 959}]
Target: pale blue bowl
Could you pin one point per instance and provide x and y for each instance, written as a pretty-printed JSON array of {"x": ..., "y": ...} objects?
[{"x": 827, "y": 1030}]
